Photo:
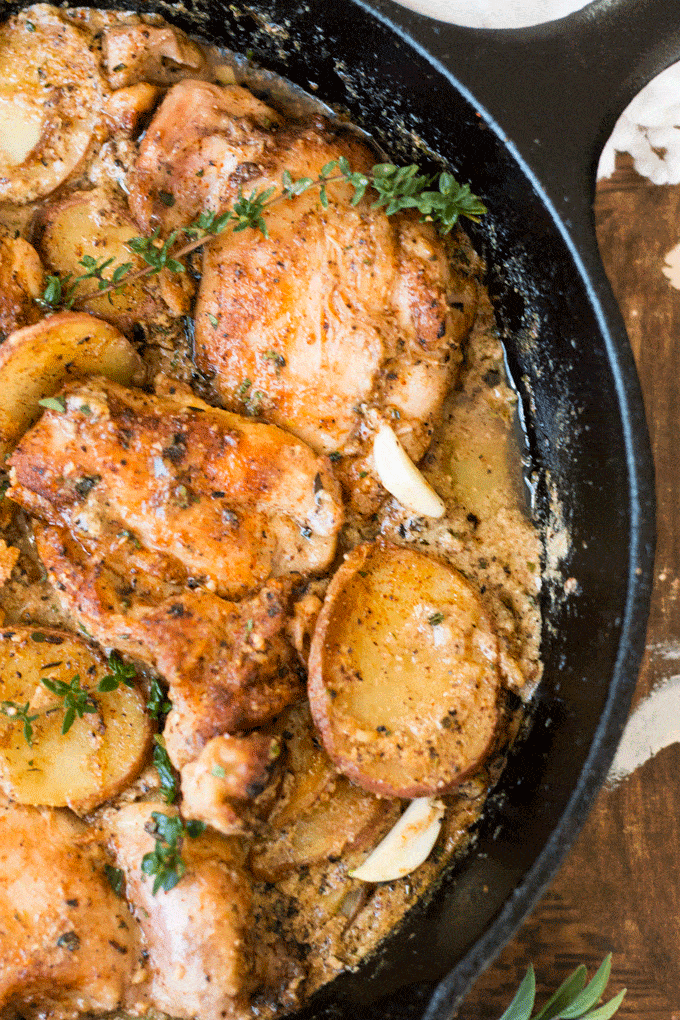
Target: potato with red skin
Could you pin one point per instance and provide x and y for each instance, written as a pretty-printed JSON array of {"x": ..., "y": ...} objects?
[{"x": 403, "y": 673}]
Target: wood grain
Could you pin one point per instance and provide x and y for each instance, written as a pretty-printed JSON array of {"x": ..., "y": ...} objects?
[{"x": 619, "y": 888}]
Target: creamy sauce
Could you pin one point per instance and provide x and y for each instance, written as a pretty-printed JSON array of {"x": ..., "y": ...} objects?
[{"x": 329, "y": 920}]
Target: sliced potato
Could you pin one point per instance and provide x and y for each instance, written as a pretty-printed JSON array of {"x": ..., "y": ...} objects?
[
  {"x": 36, "y": 360},
  {"x": 97, "y": 224},
  {"x": 403, "y": 672},
  {"x": 309, "y": 771},
  {"x": 21, "y": 282},
  {"x": 346, "y": 818},
  {"x": 98, "y": 756},
  {"x": 51, "y": 95}
]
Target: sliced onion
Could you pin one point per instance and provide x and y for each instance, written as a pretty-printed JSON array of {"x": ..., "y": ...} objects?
[
  {"x": 402, "y": 478},
  {"x": 407, "y": 845}
]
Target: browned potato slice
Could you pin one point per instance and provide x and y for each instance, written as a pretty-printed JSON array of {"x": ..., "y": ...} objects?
[
  {"x": 98, "y": 756},
  {"x": 51, "y": 94},
  {"x": 36, "y": 360},
  {"x": 21, "y": 282},
  {"x": 348, "y": 817},
  {"x": 98, "y": 224},
  {"x": 309, "y": 770},
  {"x": 403, "y": 673}
]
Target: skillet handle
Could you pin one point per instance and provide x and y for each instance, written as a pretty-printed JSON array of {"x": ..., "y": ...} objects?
[{"x": 556, "y": 90}]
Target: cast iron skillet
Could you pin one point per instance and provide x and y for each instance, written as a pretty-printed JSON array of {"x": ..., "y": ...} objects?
[{"x": 521, "y": 115}]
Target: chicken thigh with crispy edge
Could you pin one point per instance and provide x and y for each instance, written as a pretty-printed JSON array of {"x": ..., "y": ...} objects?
[
  {"x": 203, "y": 142},
  {"x": 342, "y": 317},
  {"x": 199, "y": 929},
  {"x": 226, "y": 501},
  {"x": 68, "y": 944},
  {"x": 230, "y": 666}
]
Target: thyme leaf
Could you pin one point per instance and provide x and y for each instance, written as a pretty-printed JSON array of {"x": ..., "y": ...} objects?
[
  {"x": 169, "y": 787},
  {"x": 157, "y": 704},
  {"x": 439, "y": 199},
  {"x": 165, "y": 862},
  {"x": 13, "y": 710},
  {"x": 121, "y": 673},
  {"x": 77, "y": 700}
]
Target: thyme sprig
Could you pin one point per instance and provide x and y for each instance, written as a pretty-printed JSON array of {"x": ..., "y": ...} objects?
[
  {"x": 13, "y": 710},
  {"x": 439, "y": 198},
  {"x": 572, "y": 1000},
  {"x": 61, "y": 291},
  {"x": 165, "y": 862},
  {"x": 78, "y": 700},
  {"x": 121, "y": 674},
  {"x": 169, "y": 785}
]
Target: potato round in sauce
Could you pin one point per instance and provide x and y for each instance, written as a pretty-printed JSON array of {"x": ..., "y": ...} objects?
[{"x": 403, "y": 672}]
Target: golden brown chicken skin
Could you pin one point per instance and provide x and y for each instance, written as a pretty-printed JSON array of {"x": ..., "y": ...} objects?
[
  {"x": 229, "y": 665},
  {"x": 342, "y": 317},
  {"x": 227, "y": 501},
  {"x": 197, "y": 934},
  {"x": 68, "y": 945}
]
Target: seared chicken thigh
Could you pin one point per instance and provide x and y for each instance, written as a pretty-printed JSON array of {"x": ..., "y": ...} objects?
[
  {"x": 223, "y": 500},
  {"x": 341, "y": 317},
  {"x": 67, "y": 943},
  {"x": 197, "y": 933},
  {"x": 229, "y": 665}
]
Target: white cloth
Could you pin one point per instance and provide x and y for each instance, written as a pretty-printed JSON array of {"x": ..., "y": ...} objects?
[
  {"x": 649, "y": 129},
  {"x": 495, "y": 13}
]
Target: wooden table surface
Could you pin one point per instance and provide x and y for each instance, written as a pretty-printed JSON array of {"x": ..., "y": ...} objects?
[{"x": 619, "y": 889}]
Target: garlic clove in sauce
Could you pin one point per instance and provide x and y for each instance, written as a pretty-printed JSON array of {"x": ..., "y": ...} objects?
[
  {"x": 401, "y": 477},
  {"x": 407, "y": 845}
]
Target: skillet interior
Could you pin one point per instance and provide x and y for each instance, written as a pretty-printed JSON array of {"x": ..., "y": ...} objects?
[{"x": 585, "y": 434}]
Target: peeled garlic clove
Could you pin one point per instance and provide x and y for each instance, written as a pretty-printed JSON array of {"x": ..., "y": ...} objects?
[
  {"x": 402, "y": 478},
  {"x": 405, "y": 846}
]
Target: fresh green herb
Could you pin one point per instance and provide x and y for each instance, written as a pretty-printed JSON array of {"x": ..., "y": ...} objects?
[
  {"x": 13, "y": 710},
  {"x": 335, "y": 456},
  {"x": 157, "y": 705},
  {"x": 69, "y": 940},
  {"x": 61, "y": 291},
  {"x": 131, "y": 537},
  {"x": 242, "y": 389},
  {"x": 165, "y": 862},
  {"x": 249, "y": 626},
  {"x": 4, "y": 486},
  {"x": 208, "y": 224},
  {"x": 85, "y": 409},
  {"x": 156, "y": 255},
  {"x": 77, "y": 700},
  {"x": 212, "y": 319},
  {"x": 435, "y": 619},
  {"x": 86, "y": 484},
  {"x": 439, "y": 198},
  {"x": 37, "y": 636},
  {"x": 571, "y": 1001},
  {"x": 254, "y": 403},
  {"x": 121, "y": 673},
  {"x": 169, "y": 787},
  {"x": 115, "y": 877},
  {"x": 30, "y": 26},
  {"x": 277, "y": 359},
  {"x": 119, "y": 67},
  {"x": 218, "y": 771},
  {"x": 53, "y": 404}
]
